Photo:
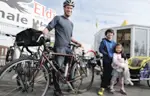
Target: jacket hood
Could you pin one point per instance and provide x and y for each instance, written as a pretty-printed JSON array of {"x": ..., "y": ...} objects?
[{"x": 106, "y": 39}]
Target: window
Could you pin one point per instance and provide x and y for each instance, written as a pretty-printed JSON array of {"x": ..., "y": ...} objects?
[
  {"x": 2, "y": 51},
  {"x": 149, "y": 43},
  {"x": 140, "y": 42},
  {"x": 5, "y": 51}
]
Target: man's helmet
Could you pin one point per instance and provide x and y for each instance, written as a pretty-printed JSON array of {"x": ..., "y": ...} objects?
[{"x": 69, "y": 2}]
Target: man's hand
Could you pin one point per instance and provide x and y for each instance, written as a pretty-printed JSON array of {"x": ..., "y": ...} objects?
[
  {"x": 45, "y": 31},
  {"x": 76, "y": 42},
  {"x": 82, "y": 46}
]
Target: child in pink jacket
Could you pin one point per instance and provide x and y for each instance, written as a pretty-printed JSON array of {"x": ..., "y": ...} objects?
[{"x": 120, "y": 69}]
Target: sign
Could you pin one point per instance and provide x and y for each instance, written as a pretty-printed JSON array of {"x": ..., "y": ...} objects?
[
  {"x": 42, "y": 15},
  {"x": 41, "y": 11},
  {"x": 20, "y": 13},
  {"x": 12, "y": 16}
]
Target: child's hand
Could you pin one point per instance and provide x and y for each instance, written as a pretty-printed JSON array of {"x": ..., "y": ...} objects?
[
  {"x": 123, "y": 69},
  {"x": 122, "y": 66}
]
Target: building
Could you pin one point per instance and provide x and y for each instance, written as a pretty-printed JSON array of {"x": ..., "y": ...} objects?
[
  {"x": 14, "y": 21},
  {"x": 134, "y": 38}
]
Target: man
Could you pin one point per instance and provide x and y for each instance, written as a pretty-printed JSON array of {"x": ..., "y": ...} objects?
[
  {"x": 63, "y": 36},
  {"x": 107, "y": 49}
]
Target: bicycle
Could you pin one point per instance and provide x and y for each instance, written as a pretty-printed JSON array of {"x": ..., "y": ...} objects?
[
  {"x": 26, "y": 74},
  {"x": 87, "y": 65}
]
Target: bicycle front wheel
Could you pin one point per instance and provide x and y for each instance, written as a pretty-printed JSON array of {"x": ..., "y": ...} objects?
[
  {"x": 85, "y": 75},
  {"x": 22, "y": 77}
]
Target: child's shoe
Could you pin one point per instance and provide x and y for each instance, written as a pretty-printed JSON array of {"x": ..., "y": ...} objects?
[
  {"x": 101, "y": 92},
  {"x": 112, "y": 91},
  {"x": 123, "y": 92}
]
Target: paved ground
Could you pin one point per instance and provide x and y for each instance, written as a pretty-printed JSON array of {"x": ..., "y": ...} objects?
[{"x": 137, "y": 90}]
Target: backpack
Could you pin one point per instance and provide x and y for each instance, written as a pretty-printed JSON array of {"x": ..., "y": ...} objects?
[{"x": 28, "y": 37}]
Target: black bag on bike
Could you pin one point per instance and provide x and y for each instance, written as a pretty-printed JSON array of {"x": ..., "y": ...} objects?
[{"x": 28, "y": 37}]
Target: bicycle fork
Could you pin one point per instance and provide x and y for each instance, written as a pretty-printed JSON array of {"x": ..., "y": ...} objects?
[
  {"x": 65, "y": 75},
  {"x": 66, "y": 70}
]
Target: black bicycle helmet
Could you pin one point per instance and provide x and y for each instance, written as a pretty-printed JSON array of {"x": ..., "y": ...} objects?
[
  {"x": 109, "y": 31},
  {"x": 69, "y": 2}
]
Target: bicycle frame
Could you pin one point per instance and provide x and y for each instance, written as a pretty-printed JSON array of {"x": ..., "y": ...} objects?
[
  {"x": 55, "y": 66},
  {"x": 47, "y": 55}
]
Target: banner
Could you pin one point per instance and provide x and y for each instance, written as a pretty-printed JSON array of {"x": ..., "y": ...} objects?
[
  {"x": 42, "y": 15},
  {"x": 25, "y": 13}
]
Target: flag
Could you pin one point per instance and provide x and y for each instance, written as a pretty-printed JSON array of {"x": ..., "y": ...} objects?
[
  {"x": 124, "y": 23},
  {"x": 96, "y": 23}
]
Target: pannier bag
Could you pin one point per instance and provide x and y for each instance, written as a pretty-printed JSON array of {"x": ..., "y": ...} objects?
[{"x": 28, "y": 37}]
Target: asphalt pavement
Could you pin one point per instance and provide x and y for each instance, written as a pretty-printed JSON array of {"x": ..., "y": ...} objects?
[{"x": 141, "y": 89}]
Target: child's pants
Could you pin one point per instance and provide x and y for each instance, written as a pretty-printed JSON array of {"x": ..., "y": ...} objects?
[
  {"x": 115, "y": 76},
  {"x": 106, "y": 78}
]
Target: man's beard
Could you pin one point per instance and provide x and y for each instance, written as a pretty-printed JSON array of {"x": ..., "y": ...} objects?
[{"x": 67, "y": 15}]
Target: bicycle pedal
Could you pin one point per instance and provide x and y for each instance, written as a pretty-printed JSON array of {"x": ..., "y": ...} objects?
[{"x": 61, "y": 70}]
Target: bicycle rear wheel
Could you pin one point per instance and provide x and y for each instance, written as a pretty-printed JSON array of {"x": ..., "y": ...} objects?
[{"x": 23, "y": 77}]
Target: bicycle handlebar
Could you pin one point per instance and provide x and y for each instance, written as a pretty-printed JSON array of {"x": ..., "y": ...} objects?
[
  {"x": 10, "y": 35},
  {"x": 74, "y": 45},
  {"x": 43, "y": 42}
]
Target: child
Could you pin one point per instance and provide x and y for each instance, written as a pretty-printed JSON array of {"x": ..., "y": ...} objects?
[
  {"x": 106, "y": 48},
  {"x": 120, "y": 69}
]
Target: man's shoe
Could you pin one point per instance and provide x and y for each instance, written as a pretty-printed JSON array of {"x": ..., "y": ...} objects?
[{"x": 58, "y": 93}]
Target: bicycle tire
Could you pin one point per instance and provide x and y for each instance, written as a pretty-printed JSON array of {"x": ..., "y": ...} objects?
[
  {"x": 148, "y": 81},
  {"x": 11, "y": 64},
  {"x": 91, "y": 81},
  {"x": 50, "y": 73},
  {"x": 73, "y": 77}
]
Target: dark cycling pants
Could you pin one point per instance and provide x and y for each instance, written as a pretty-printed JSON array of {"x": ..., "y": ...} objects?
[
  {"x": 60, "y": 61},
  {"x": 107, "y": 70}
]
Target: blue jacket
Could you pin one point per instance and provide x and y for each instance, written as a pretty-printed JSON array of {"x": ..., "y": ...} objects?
[{"x": 107, "y": 48}]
